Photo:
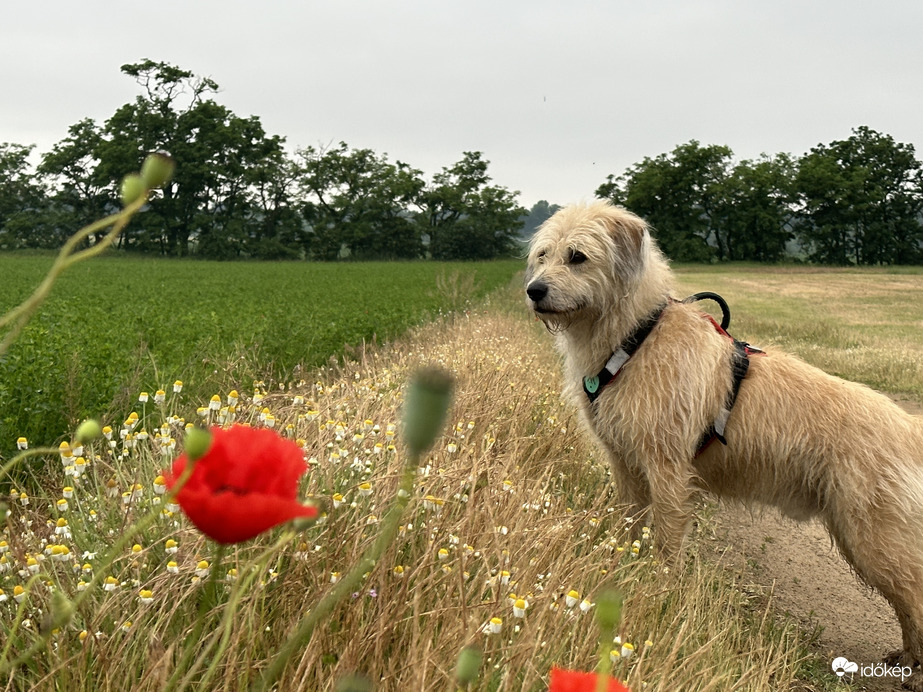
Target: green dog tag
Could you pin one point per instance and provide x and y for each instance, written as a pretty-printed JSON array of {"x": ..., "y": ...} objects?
[{"x": 591, "y": 384}]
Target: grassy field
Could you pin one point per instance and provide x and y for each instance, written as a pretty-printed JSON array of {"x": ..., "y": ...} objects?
[
  {"x": 864, "y": 325},
  {"x": 511, "y": 501},
  {"x": 114, "y": 327}
]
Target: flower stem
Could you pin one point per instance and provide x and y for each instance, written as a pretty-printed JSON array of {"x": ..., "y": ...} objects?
[
  {"x": 207, "y": 600},
  {"x": 390, "y": 526}
]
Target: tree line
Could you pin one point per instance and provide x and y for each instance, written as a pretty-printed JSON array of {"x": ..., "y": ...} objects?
[
  {"x": 237, "y": 192},
  {"x": 854, "y": 201}
]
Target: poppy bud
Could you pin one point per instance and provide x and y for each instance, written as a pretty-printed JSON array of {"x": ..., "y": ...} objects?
[
  {"x": 62, "y": 610},
  {"x": 425, "y": 408},
  {"x": 198, "y": 442},
  {"x": 87, "y": 431},
  {"x": 469, "y": 664},
  {"x": 157, "y": 169},
  {"x": 133, "y": 187}
]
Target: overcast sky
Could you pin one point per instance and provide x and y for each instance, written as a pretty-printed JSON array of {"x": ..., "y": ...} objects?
[{"x": 556, "y": 94}]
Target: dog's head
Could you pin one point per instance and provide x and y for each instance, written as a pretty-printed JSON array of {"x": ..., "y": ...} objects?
[{"x": 582, "y": 261}]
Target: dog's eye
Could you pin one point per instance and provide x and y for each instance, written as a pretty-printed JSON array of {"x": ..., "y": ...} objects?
[
  {"x": 576, "y": 257},
  {"x": 541, "y": 255}
]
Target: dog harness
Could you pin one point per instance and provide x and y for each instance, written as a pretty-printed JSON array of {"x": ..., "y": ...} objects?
[{"x": 740, "y": 363}]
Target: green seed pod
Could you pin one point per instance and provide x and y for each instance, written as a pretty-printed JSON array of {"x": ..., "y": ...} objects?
[
  {"x": 157, "y": 169},
  {"x": 133, "y": 187},
  {"x": 62, "y": 610},
  {"x": 87, "y": 431},
  {"x": 469, "y": 665},
  {"x": 198, "y": 442},
  {"x": 425, "y": 408}
]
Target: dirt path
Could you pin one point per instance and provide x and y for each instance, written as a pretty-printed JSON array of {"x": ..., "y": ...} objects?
[{"x": 810, "y": 580}]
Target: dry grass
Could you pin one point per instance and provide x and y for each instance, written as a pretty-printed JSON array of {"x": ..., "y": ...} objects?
[
  {"x": 512, "y": 494},
  {"x": 859, "y": 324}
]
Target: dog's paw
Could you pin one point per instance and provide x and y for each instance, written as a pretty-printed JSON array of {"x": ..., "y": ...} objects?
[
  {"x": 914, "y": 683},
  {"x": 899, "y": 657}
]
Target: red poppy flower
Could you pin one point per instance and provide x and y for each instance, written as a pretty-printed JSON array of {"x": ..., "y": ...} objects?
[
  {"x": 244, "y": 485},
  {"x": 576, "y": 681}
]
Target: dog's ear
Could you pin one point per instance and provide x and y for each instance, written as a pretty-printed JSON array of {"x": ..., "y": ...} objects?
[{"x": 627, "y": 229}]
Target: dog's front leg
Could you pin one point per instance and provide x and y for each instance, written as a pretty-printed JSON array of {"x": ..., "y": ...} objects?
[
  {"x": 672, "y": 495},
  {"x": 634, "y": 493}
]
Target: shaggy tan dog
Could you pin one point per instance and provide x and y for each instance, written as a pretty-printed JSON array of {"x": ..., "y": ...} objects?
[{"x": 797, "y": 438}]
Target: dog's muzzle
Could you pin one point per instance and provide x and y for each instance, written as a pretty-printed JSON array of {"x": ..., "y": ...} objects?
[{"x": 537, "y": 290}]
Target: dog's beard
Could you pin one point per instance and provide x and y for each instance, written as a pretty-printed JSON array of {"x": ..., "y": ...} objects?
[{"x": 559, "y": 321}]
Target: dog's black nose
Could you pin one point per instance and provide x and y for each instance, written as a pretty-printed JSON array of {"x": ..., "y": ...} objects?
[{"x": 537, "y": 290}]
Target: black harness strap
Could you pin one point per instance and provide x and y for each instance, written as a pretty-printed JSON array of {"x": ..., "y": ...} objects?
[
  {"x": 740, "y": 364},
  {"x": 594, "y": 385}
]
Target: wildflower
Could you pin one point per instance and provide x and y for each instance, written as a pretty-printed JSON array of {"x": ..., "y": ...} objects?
[
  {"x": 4, "y": 547},
  {"x": 494, "y": 626},
  {"x": 107, "y": 432},
  {"x": 62, "y": 505},
  {"x": 451, "y": 448},
  {"x": 171, "y": 546},
  {"x": 201, "y": 569},
  {"x": 19, "y": 593},
  {"x": 22, "y": 443},
  {"x": 244, "y": 484},
  {"x": 146, "y": 596},
  {"x": 215, "y": 403},
  {"x": 365, "y": 489},
  {"x": 519, "y": 608},
  {"x": 576, "y": 681},
  {"x": 23, "y": 499},
  {"x": 443, "y": 554},
  {"x": 3, "y": 596},
  {"x": 110, "y": 583},
  {"x": 334, "y": 577},
  {"x": 61, "y": 528},
  {"x": 572, "y": 598},
  {"x": 177, "y": 386},
  {"x": 586, "y": 605},
  {"x": 143, "y": 397},
  {"x": 627, "y": 650},
  {"x": 32, "y": 565},
  {"x": 337, "y": 500},
  {"x": 233, "y": 397},
  {"x": 172, "y": 567},
  {"x": 126, "y": 626},
  {"x": 232, "y": 574},
  {"x": 160, "y": 485},
  {"x": 398, "y": 571}
]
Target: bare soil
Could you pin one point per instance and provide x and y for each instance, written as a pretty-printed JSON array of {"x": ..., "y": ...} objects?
[{"x": 806, "y": 578}]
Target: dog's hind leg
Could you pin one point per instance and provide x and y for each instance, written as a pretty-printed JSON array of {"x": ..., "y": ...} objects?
[{"x": 878, "y": 552}]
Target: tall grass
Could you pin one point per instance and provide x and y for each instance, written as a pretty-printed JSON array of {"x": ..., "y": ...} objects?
[{"x": 511, "y": 501}]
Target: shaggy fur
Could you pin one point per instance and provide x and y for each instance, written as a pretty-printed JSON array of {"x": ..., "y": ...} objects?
[{"x": 798, "y": 439}]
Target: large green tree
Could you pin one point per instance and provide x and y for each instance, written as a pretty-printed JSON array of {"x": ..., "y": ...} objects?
[
  {"x": 355, "y": 203},
  {"x": 23, "y": 204},
  {"x": 678, "y": 194},
  {"x": 860, "y": 201},
  {"x": 467, "y": 218},
  {"x": 752, "y": 215},
  {"x": 217, "y": 203}
]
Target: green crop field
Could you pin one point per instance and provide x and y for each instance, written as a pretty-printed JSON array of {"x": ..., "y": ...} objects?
[{"x": 114, "y": 327}]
